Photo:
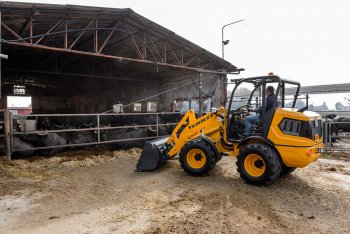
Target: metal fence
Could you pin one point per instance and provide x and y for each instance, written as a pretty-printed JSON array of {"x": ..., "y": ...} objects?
[
  {"x": 336, "y": 112},
  {"x": 334, "y": 138},
  {"x": 97, "y": 127},
  {"x": 336, "y": 135}
]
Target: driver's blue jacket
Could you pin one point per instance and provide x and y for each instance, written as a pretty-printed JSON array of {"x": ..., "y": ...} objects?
[{"x": 269, "y": 103}]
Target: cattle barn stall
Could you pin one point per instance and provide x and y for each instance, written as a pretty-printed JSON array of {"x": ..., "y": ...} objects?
[{"x": 78, "y": 59}]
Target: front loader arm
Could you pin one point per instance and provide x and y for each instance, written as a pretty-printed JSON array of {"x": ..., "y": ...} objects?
[{"x": 190, "y": 128}]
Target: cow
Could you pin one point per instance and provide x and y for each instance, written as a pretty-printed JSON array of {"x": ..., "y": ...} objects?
[
  {"x": 136, "y": 133},
  {"x": 20, "y": 144},
  {"x": 131, "y": 134},
  {"x": 81, "y": 121},
  {"x": 65, "y": 122},
  {"x": 342, "y": 123},
  {"x": 170, "y": 120},
  {"x": 43, "y": 123},
  {"x": 113, "y": 120},
  {"x": 46, "y": 139},
  {"x": 82, "y": 137}
]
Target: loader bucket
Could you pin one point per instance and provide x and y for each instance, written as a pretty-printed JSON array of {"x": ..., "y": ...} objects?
[{"x": 153, "y": 155}]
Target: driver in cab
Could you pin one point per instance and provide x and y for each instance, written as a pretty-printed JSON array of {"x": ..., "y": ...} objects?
[{"x": 249, "y": 120}]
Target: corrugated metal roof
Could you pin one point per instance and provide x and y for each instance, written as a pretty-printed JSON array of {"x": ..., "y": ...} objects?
[{"x": 163, "y": 45}]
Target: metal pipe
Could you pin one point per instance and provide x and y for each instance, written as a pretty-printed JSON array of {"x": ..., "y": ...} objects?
[
  {"x": 157, "y": 124},
  {"x": 7, "y": 132},
  {"x": 98, "y": 128},
  {"x": 330, "y": 136},
  {"x": 11, "y": 132},
  {"x": 200, "y": 106}
]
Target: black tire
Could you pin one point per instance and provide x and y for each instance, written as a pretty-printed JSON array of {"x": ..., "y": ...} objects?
[
  {"x": 266, "y": 165},
  {"x": 204, "y": 151},
  {"x": 287, "y": 170},
  {"x": 218, "y": 158}
]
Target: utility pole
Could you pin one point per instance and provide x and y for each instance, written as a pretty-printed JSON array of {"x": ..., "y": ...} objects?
[{"x": 223, "y": 43}]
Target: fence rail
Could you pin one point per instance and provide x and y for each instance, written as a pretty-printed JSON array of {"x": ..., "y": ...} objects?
[
  {"x": 98, "y": 128},
  {"x": 338, "y": 113}
]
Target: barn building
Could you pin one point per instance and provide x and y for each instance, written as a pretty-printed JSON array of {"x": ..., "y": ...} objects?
[
  {"x": 79, "y": 59},
  {"x": 90, "y": 60}
]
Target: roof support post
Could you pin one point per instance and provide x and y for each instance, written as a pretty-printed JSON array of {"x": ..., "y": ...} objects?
[
  {"x": 31, "y": 29},
  {"x": 164, "y": 52},
  {"x": 223, "y": 89},
  {"x": 182, "y": 56},
  {"x": 144, "y": 46},
  {"x": 96, "y": 37},
  {"x": 66, "y": 33},
  {"x": 200, "y": 102}
]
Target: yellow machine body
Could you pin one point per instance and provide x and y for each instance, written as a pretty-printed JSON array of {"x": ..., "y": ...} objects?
[{"x": 295, "y": 151}]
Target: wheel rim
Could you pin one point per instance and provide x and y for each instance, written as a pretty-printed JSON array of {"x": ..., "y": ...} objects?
[
  {"x": 254, "y": 165},
  {"x": 196, "y": 158}
]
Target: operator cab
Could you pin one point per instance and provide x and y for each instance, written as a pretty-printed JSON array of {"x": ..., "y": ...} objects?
[{"x": 249, "y": 95}]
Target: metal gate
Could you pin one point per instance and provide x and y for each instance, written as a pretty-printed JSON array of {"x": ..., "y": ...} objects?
[{"x": 336, "y": 138}]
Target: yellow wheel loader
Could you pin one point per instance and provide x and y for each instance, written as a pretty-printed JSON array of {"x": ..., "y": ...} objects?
[{"x": 281, "y": 140}]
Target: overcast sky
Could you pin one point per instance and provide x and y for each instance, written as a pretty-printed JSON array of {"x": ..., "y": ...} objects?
[{"x": 307, "y": 41}]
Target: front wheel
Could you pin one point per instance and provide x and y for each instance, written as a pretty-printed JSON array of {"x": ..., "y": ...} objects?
[
  {"x": 258, "y": 164},
  {"x": 196, "y": 158}
]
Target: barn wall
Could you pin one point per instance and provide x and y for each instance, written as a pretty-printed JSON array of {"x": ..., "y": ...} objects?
[
  {"x": 103, "y": 98},
  {"x": 74, "y": 104},
  {"x": 210, "y": 88},
  {"x": 130, "y": 92},
  {"x": 98, "y": 100}
]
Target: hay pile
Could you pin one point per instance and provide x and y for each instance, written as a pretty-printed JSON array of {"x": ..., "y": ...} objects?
[{"x": 36, "y": 166}]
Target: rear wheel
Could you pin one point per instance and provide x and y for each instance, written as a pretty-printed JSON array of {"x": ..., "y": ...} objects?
[
  {"x": 196, "y": 158},
  {"x": 258, "y": 164}
]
